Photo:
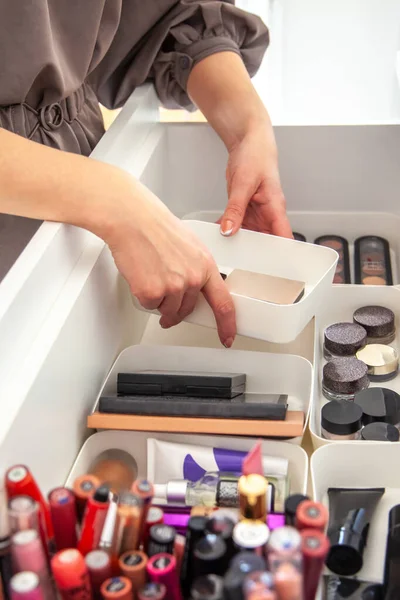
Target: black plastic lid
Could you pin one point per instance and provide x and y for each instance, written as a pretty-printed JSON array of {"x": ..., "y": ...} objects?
[
  {"x": 208, "y": 587},
  {"x": 380, "y": 432},
  {"x": 345, "y": 556},
  {"x": 373, "y": 592},
  {"x": 341, "y": 417},
  {"x": 197, "y": 524},
  {"x": 221, "y": 525},
  {"x": 102, "y": 494},
  {"x": 379, "y": 404},
  {"x": 291, "y": 504},
  {"x": 162, "y": 534}
]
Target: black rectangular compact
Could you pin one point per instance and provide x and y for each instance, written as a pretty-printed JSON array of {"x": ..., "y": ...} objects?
[
  {"x": 177, "y": 383},
  {"x": 268, "y": 407}
]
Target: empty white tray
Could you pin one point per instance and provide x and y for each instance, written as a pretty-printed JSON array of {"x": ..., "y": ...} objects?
[{"x": 271, "y": 255}]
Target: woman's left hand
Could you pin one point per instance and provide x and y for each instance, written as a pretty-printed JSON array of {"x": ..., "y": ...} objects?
[{"x": 255, "y": 196}]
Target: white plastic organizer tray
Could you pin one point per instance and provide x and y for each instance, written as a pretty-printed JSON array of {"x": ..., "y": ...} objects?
[
  {"x": 315, "y": 265},
  {"x": 135, "y": 443},
  {"x": 350, "y": 225},
  {"x": 266, "y": 373},
  {"x": 343, "y": 301},
  {"x": 351, "y": 465}
]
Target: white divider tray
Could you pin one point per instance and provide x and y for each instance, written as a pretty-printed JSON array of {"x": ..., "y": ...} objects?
[
  {"x": 265, "y": 373},
  {"x": 135, "y": 443},
  {"x": 351, "y": 465},
  {"x": 269, "y": 255},
  {"x": 343, "y": 301}
]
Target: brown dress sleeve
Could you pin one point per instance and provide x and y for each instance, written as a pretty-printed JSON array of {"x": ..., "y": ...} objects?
[{"x": 171, "y": 43}]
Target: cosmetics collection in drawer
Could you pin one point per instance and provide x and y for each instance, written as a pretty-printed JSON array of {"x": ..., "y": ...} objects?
[
  {"x": 361, "y": 490},
  {"x": 205, "y": 390},
  {"x": 357, "y": 392}
]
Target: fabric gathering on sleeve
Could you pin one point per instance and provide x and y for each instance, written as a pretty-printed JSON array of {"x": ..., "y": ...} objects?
[{"x": 172, "y": 45}]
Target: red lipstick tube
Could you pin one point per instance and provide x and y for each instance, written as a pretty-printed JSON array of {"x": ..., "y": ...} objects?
[
  {"x": 311, "y": 515},
  {"x": 63, "y": 514},
  {"x": 20, "y": 482},
  {"x": 71, "y": 575},
  {"x": 84, "y": 488},
  {"x": 93, "y": 520},
  {"x": 98, "y": 563},
  {"x": 161, "y": 568},
  {"x": 145, "y": 491},
  {"x": 315, "y": 547}
]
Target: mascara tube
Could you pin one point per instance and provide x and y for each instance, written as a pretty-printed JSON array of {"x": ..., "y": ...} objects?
[
  {"x": 133, "y": 566},
  {"x": 129, "y": 519},
  {"x": 311, "y": 515},
  {"x": 315, "y": 548},
  {"x": 195, "y": 531},
  {"x": 210, "y": 556},
  {"x": 391, "y": 581}
]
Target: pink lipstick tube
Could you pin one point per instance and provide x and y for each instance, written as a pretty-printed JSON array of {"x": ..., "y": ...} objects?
[
  {"x": 162, "y": 568},
  {"x": 25, "y": 586},
  {"x": 28, "y": 555}
]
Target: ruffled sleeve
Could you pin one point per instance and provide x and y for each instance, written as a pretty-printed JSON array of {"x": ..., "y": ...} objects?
[{"x": 169, "y": 45}]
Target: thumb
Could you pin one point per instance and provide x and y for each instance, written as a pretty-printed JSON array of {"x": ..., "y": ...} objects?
[{"x": 240, "y": 193}]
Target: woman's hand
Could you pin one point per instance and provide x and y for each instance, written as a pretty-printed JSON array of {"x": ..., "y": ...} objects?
[
  {"x": 256, "y": 199},
  {"x": 222, "y": 89},
  {"x": 164, "y": 263}
]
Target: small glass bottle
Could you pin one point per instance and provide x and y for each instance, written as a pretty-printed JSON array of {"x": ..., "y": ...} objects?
[
  {"x": 343, "y": 339},
  {"x": 341, "y": 420},
  {"x": 218, "y": 489},
  {"x": 344, "y": 377}
]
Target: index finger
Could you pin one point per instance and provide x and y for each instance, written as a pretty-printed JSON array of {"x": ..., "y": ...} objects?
[{"x": 218, "y": 297}]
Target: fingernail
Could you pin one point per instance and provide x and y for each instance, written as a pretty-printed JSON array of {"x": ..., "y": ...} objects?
[
  {"x": 227, "y": 228},
  {"x": 228, "y": 343}
]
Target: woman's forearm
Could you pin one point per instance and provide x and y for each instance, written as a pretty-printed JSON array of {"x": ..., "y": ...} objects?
[
  {"x": 222, "y": 89},
  {"x": 47, "y": 184}
]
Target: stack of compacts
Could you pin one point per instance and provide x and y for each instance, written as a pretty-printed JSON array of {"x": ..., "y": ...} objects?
[
  {"x": 197, "y": 395},
  {"x": 372, "y": 262},
  {"x": 106, "y": 539},
  {"x": 358, "y": 353}
]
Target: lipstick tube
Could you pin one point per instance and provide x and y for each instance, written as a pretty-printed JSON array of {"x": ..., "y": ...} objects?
[
  {"x": 23, "y": 513},
  {"x": 133, "y": 566},
  {"x": 28, "y": 555},
  {"x": 152, "y": 591},
  {"x": 98, "y": 564},
  {"x": 155, "y": 516},
  {"x": 129, "y": 515},
  {"x": 145, "y": 491},
  {"x": 253, "y": 497},
  {"x": 210, "y": 556},
  {"x": 315, "y": 547},
  {"x": 161, "y": 540},
  {"x": 93, "y": 520},
  {"x": 260, "y": 586},
  {"x": 20, "y": 482},
  {"x": 71, "y": 575},
  {"x": 161, "y": 568},
  {"x": 195, "y": 531},
  {"x": 108, "y": 540},
  {"x": 25, "y": 586},
  {"x": 311, "y": 515},
  {"x": 117, "y": 588},
  {"x": 84, "y": 488},
  {"x": 64, "y": 517}
]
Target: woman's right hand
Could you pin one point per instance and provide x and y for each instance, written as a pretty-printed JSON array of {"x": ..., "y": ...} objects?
[{"x": 164, "y": 263}]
